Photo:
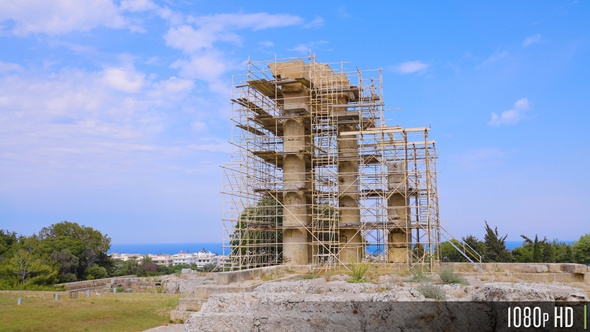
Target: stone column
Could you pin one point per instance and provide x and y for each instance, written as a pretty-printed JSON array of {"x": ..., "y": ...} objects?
[
  {"x": 296, "y": 238},
  {"x": 398, "y": 215},
  {"x": 348, "y": 189}
]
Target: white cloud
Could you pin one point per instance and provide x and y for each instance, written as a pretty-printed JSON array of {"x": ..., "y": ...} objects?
[
  {"x": 256, "y": 21},
  {"x": 60, "y": 17},
  {"x": 81, "y": 121},
  {"x": 172, "y": 86},
  {"x": 6, "y": 67},
  {"x": 266, "y": 44},
  {"x": 317, "y": 22},
  {"x": 532, "y": 40},
  {"x": 123, "y": 79},
  {"x": 212, "y": 29},
  {"x": 495, "y": 57},
  {"x": 199, "y": 38},
  {"x": 205, "y": 66},
  {"x": 411, "y": 67},
  {"x": 198, "y": 126},
  {"x": 212, "y": 145},
  {"x": 137, "y": 5},
  {"x": 512, "y": 116},
  {"x": 343, "y": 13},
  {"x": 190, "y": 40},
  {"x": 308, "y": 47}
]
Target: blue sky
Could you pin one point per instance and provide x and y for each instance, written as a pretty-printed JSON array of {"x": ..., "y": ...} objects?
[{"x": 115, "y": 114}]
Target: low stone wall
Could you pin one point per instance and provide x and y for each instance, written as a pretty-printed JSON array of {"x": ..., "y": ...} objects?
[
  {"x": 535, "y": 272},
  {"x": 95, "y": 284},
  {"x": 226, "y": 278},
  {"x": 575, "y": 272},
  {"x": 521, "y": 267}
]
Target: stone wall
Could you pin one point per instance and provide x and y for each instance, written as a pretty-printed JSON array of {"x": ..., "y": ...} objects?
[{"x": 534, "y": 272}]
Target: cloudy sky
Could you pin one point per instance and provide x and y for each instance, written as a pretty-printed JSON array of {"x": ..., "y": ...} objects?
[{"x": 115, "y": 114}]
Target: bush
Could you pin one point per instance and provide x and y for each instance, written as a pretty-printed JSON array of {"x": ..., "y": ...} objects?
[
  {"x": 96, "y": 272},
  {"x": 419, "y": 277},
  {"x": 147, "y": 269},
  {"x": 68, "y": 277},
  {"x": 357, "y": 272},
  {"x": 432, "y": 292},
  {"x": 448, "y": 276},
  {"x": 209, "y": 267}
]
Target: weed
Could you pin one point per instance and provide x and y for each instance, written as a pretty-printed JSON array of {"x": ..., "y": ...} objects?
[
  {"x": 448, "y": 276},
  {"x": 384, "y": 288},
  {"x": 357, "y": 272},
  {"x": 268, "y": 277},
  {"x": 310, "y": 276},
  {"x": 432, "y": 292},
  {"x": 419, "y": 277}
]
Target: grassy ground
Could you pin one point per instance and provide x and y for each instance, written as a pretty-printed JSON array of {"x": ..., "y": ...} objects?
[{"x": 108, "y": 312}]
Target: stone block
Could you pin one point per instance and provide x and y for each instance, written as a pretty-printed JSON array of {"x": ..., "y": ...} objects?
[
  {"x": 190, "y": 304},
  {"x": 533, "y": 268},
  {"x": 575, "y": 268},
  {"x": 555, "y": 267},
  {"x": 179, "y": 316}
]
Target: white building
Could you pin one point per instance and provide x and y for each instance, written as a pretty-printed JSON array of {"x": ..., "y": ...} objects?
[
  {"x": 200, "y": 259},
  {"x": 203, "y": 258},
  {"x": 126, "y": 257},
  {"x": 165, "y": 260}
]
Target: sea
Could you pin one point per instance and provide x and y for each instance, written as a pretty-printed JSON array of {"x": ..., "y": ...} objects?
[{"x": 214, "y": 247}]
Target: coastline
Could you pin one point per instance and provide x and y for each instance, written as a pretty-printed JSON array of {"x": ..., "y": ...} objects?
[{"x": 214, "y": 247}]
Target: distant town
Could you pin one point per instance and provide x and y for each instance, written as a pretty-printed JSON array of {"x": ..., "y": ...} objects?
[{"x": 200, "y": 259}]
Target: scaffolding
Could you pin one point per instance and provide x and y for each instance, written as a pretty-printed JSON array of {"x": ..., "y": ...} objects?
[{"x": 317, "y": 176}]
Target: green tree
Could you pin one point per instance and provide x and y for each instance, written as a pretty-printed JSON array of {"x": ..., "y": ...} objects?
[
  {"x": 68, "y": 265},
  {"x": 495, "y": 245},
  {"x": 581, "y": 250},
  {"x": 548, "y": 252},
  {"x": 569, "y": 254},
  {"x": 255, "y": 235},
  {"x": 523, "y": 254},
  {"x": 28, "y": 266},
  {"x": 128, "y": 267},
  {"x": 96, "y": 272},
  {"x": 146, "y": 267},
  {"x": 537, "y": 257},
  {"x": 449, "y": 253},
  {"x": 475, "y": 244},
  {"x": 7, "y": 240},
  {"x": 87, "y": 244}
]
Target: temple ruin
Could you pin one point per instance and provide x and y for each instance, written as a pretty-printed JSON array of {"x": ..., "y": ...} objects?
[{"x": 317, "y": 176}]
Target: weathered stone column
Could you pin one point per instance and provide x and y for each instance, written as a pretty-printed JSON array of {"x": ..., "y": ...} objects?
[
  {"x": 398, "y": 238},
  {"x": 348, "y": 189},
  {"x": 296, "y": 137}
]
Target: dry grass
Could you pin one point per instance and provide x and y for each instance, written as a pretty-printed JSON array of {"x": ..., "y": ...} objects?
[
  {"x": 109, "y": 312},
  {"x": 432, "y": 292}
]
